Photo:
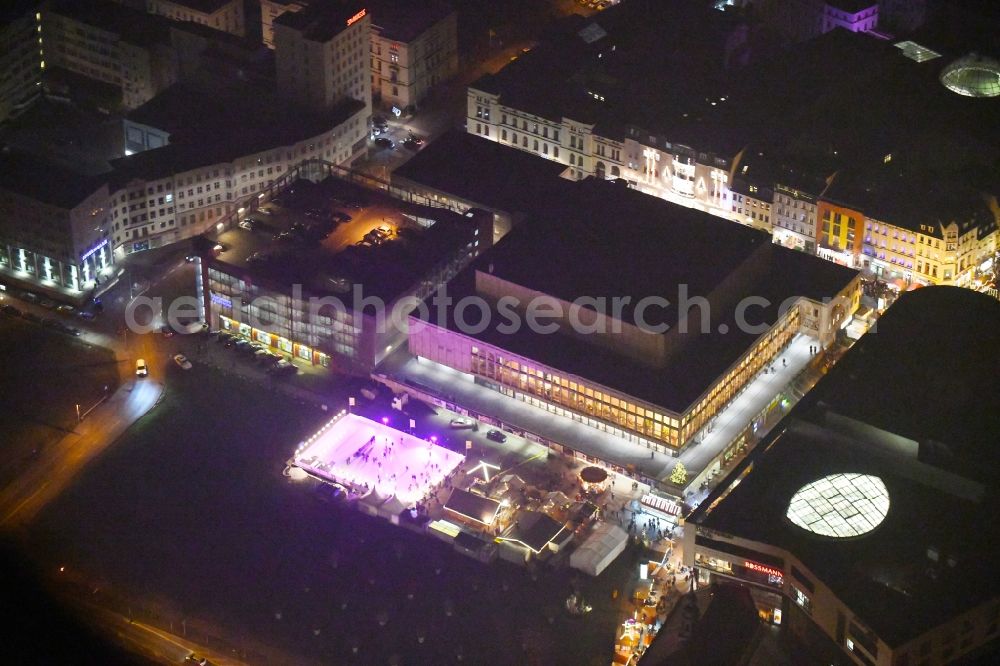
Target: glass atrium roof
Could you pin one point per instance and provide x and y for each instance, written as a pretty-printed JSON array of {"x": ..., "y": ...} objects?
[
  {"x": 840, "y": 505},
  {"x": 973, "y": 76}
]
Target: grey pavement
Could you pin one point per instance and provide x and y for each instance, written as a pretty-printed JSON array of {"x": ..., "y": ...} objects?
[
  {"x": 460, "y": 388},
  {"x": 754, "y": 398}
]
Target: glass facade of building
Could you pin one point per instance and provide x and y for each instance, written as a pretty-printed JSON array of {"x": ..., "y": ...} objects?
[
  {"x": 588, "y": 402},
  {"x": 284, "y": 322}
]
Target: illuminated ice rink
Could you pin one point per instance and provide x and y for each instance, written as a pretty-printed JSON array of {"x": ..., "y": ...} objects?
[{"x": 354, "y": 451}]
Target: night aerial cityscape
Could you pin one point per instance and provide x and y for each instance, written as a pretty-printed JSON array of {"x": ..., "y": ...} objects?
[{"x": 500, "y": 332}]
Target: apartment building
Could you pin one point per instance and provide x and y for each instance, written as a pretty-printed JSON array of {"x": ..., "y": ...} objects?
[
  {"x": 53, "y": 237},
  {"x": 187, "y": 171},
  {"x": 574, "y": 99},
  {"x": 414, "y": 46},
  {"x": 321, "y": 55},
  {"x": 22, "y": 57},
  {"x": 224, "y": 15},
  {"x": 107, "y": 42}
]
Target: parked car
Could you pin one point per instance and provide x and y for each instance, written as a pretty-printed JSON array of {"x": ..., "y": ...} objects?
[
  {"x": 66, "y": 309},
  {"x": 29, "y": 296},
  {"x": 241, "y": 345},
  {"x": 11, "y": 310},
  {"x": 231, "y": 342},
  {"x": 384, "y": 143},
  {"x": 496, "y": 436},
  {"x": 32, "y": 317},
  {"x": 461, "y": 424},
  {"x": 87, "y": 316},
  {"x": 282, "y": 367},
  {"x": 182, "y": 362},
  {"x": 141, "y": 369}
]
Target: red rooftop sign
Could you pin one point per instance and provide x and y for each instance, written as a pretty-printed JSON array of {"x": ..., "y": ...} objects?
[{"x": 357, "y": 17}]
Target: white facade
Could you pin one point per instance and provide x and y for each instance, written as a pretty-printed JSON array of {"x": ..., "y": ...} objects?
[
  {"x": 321, "y": 71},
  {"x": 655, "y": 166},
  {"x": 151, "y": 213}
]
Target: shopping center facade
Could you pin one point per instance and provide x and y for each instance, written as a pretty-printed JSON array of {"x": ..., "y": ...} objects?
[{"x": 658, "y": 389}]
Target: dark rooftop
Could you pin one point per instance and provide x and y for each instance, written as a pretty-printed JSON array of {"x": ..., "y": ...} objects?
[
  {"x": 722, "y": 636},
  {"x": 203, "y": 6},
  {"x": 481, "y": 171},
  {"x": 405, "y": 20},
  {"x": 599, "y": 239},
  {"x": 131, "y": 25},
  {"x": 852, "y": 6},
  {"x": 927, "y": 428},
  {"x": 470, "y": 505},
  {"x": 534, "y": 529},
  {"x": 333, "y": 266},
  {"x": 45, "y": 181},
  {"x": 322, "y": 21},
  {"x": 211, "y": 121}
]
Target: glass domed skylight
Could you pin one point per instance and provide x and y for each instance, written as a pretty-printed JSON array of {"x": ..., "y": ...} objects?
[
  {"x": 972, "y": 76},
  {"x": 840, "y": 505}
]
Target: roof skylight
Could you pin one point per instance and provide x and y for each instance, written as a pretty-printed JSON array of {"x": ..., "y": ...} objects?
[{"x": 840, "y": 505}]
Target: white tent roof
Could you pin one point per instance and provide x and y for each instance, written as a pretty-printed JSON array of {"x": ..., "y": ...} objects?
[
  {"x": 392, "y": 507},
  {"x": 604, "y": 544}
]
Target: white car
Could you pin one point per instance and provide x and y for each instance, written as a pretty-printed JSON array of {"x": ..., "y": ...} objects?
[
  {"x": 182, "y": 361},
  {"x": 141, "y": 369},
  {"x": 461, "y": 424}
]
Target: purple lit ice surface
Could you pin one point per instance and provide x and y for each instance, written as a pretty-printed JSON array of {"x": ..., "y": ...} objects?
[{"x": 353, "y": 451}]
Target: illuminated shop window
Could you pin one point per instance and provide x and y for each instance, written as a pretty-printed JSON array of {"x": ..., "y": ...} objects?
[{"x": 840, "y": 505}]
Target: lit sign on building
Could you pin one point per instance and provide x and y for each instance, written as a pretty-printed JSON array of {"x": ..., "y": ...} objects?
[
  {"x": 753, "y": 566},
  {"x": 357, "y": 17},
  {"x": 221, "y": 300},
  {"x": 87, "y": 254}
]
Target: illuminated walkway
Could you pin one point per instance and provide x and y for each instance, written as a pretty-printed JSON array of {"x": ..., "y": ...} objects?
[{"x": 459, "y": 388}]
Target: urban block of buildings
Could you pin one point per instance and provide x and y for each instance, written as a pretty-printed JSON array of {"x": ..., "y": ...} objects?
[
  {"x": 859, "y": 523},
  {"x": 658, "y": 389},
  {"x": 261, "y": 288},
  {"x": 413, "y": 43},
  {"x": 727, "y": 120}
]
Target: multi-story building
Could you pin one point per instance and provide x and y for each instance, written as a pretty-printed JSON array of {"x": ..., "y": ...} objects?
[
  {"x": 22, "y": 57},
  {"x": 224, "y": 15},
  {"x": 186, "y": 172},
  {"x": 800, "y": 20},
  {"x": 272, "y": 9},
  {"x": 574, "y": 99},
  {"x": 853, "y": 15},
  {"x": 53, "y": 237},
  {"x": 794, "y": 218},
  {"x": 752, "y": 201},
  {"x": 414, "y": 46},
  {"x": 321, "y": 55},
  {"x": 317, "y": 302},
  {"x": 108, "y": 42},
  {"x": 857, "y": 522},
  {"x": 839, "y": 231},
  {"x": 652, "y": 375},
  {"x": 928, "y": 247}
]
